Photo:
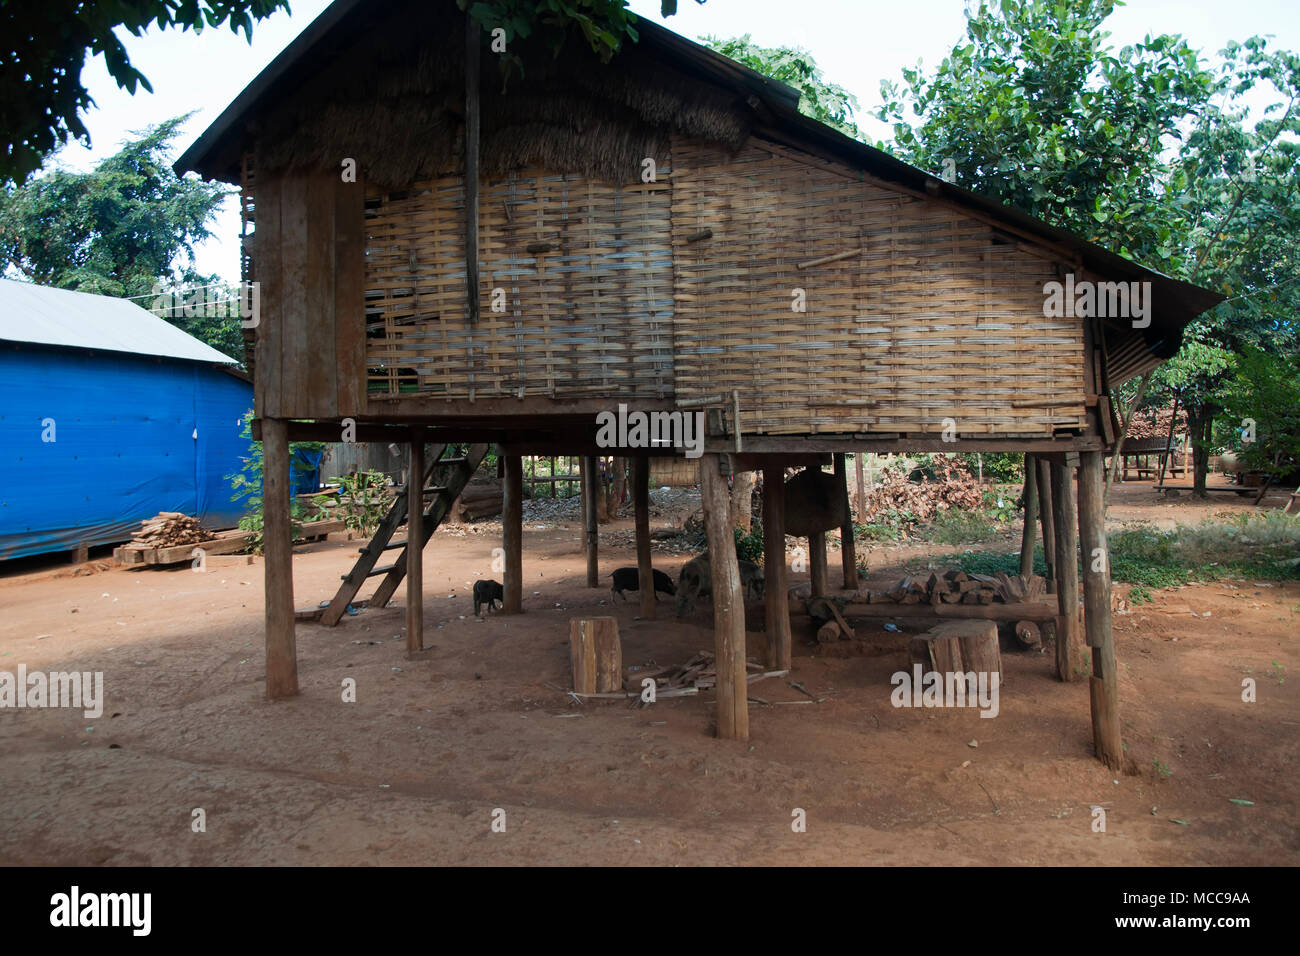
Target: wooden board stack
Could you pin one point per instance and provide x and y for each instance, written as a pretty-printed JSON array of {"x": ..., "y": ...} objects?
[{"x": 168, "y": 529}]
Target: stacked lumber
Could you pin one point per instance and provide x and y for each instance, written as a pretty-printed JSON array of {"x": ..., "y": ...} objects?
[
  {"x": 168, "y": 529},
  {"x": 958, "y": 587}
]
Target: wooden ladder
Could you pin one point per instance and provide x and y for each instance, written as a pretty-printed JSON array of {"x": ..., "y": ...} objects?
[{"x": 449, "y": 477}]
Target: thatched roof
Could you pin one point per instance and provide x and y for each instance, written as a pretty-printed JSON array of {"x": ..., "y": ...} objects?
[{"x": 382, "y": 81}]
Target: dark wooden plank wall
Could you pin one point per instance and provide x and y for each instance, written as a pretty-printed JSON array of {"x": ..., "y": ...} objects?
[{"x": 311, "y": 263}]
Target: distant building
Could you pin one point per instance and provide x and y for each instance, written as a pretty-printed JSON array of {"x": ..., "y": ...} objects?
[{"x": 108, "y": 415}]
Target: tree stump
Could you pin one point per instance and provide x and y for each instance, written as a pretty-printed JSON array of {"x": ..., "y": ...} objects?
[
  {"x": 959, "y": 647},
  {"x": 597, "y": 655}
]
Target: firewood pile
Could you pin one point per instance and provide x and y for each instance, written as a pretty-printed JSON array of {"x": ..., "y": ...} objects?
[
  {"x": 958, "y": 587},
  {"x": 168, "y": 529},
  {"x": 681, "y": 680},
  {"x": 954, "y": 487}
]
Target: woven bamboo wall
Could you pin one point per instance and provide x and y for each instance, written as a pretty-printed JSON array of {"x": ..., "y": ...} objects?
[
  {"x": 590, "y": 317},
  {"x": 928, "y": 315},
  {"x": 932, "y": 320}
]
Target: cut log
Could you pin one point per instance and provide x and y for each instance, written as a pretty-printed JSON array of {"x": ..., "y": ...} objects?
[
  {"x": 828, "y": 633},
  {"x": 597, "y": 655},
  {"x": 1028, "y": 634},
  {"x": 939, "y": 651}
]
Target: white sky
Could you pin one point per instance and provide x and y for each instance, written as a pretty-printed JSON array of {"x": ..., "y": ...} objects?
[{"x": 857, "y": 43}]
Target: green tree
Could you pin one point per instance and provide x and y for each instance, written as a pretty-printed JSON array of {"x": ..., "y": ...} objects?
[
  {"x": 604, "y": 24},
  {"x": 44, "y": 49},
  {"x": 1144, "y": 151},
  {"x": 826, "y": 102},
  {"x": 121, "y": 230}
]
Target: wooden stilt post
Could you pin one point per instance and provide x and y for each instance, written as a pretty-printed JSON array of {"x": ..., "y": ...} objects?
[
  {"x": 817, "y": 571},
  {"x": 512, "y": 535},
  {"x": 590, "y": 491},
  {"x": 414, "y": 539},
  {"x": 862, "y": 484},
  {"x": 277, "y": 538},
  {"x": 641, "y": 520},
  {"x": 1029, "y": 536},
  {"x": 728, "y": 604},
  {"x": 1104, "y": 683},
  {"x": 776, "y": 598},
  {"x": 1066, "y": 517},
  {"x": 848, "y": 549},
  {"x": 1045, "y": 518}
]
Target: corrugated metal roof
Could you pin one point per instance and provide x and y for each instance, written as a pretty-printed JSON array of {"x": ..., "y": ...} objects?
[{"x": 45, "y": 316}]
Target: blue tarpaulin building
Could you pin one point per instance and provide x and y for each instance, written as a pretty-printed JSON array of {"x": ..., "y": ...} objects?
[{"x": 109, "y": 415}]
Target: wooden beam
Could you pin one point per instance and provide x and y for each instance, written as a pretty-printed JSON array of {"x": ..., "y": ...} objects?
[
  {"x": 414, "y": 544},
  {"x": 1104, "y": 682},
  {"x": 1029, "y": 535},
  {"x": 860, "y": 468},
  {"x": 728, "y": 604},
  {"x": 1065, "y": 515},
  {"x": 776, "y": 597},
  {"x": 472, "y": 122},
  {"x": 1045, "y": 519},
  {"x": 848, "y": 549},
  {"x": 512, "y": 534},
  {"x": 277, "y": 543},
  {"x": 590, "y": 490},
  {"x": 641, "y": 506},
  {"x": 1027, "y": 611}
]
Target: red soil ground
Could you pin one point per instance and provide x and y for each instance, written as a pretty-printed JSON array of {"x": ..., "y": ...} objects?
[{"x": 412, "y": 772}]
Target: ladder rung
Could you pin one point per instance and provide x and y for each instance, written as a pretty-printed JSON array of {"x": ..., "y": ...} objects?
[
  {"x": 388, "y": 547},
  {"x": 450, "y": 461},
  {"x": 434, "y": 490},
  {"x": 384, "y": 570}
]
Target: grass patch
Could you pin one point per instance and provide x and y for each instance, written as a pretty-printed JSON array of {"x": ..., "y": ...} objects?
[{"x": 1263, "y": 547}]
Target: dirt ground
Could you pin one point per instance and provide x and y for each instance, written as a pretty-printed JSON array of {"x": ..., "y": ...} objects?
[{"x": 412, "y": 772}]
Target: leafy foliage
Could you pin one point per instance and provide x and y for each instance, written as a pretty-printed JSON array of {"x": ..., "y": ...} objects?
[
  {"x": 749, "y": 545},
  {"x": 44, "y": 49},
  {"x": 827, "y": 102},
  {"x": 119, "y": 230},
  {"x": 1143, "y": 150}
]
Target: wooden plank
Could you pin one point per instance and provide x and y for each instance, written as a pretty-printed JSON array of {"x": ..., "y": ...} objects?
[
  {"x": 267, "y": 384},
  {"x": 349, "y": 296},
  {"x": 512, "y": 534},
  {"x": 277, "y": 543},
  {"x": 596, "y": 655},
  {"x": 1046, "y": 521},
  {"x": 641, "y": 508},
  {"x": 776, "y": 597},
  {"x": 728, "y": 604},
  {"x": 472, "y": 123},
  {"x": 1104, "y": 684},
  {"x": 1065, "y": 515},
  {"x": 1029, "y": 533},
  {"x": 1027, "y": 611},
  {"x": 848, "y": 547},
  {"x": 293, "y": 313},
  {"x": 590, "y": 491}
]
